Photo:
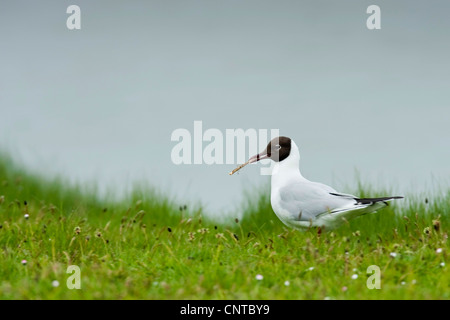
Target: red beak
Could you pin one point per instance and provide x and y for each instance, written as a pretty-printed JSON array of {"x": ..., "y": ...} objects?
[{"x": 258, "y": 157}]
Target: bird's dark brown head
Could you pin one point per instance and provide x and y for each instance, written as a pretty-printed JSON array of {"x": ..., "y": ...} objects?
[{"x": 277, "y": 150}]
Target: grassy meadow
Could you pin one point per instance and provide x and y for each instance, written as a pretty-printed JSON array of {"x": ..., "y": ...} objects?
[{"x": 150, "y": 247}]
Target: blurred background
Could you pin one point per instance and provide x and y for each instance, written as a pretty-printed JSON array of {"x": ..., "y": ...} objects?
[{"x": 99, "y": 105}]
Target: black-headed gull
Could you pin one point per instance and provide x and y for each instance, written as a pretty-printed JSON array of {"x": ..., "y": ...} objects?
[{"x": 300, "y": 203}]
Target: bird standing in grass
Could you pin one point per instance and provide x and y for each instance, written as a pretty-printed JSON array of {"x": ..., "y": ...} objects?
[{"x": 302, "y": 204}]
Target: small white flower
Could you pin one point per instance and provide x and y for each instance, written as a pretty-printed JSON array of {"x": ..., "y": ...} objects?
[
  {"x": 414, "y": 281},
  {"x": 393, "y": 254},
  {"x": 311, "y": 268},
  {"x": 439, "y": 250},
  {"x": 26, "y": 216},
  {"x": 259, "y": 277},
  {"x": 442, "y": 264},
  {"x": 355, "y": 276},
  {"x": 327, "y": 298},
  {"x": 55, "y": 283},
  {"x": 403, "y": 283},
  {"x": 287, "y": 283},
  {"x": 355, "y": 270}
]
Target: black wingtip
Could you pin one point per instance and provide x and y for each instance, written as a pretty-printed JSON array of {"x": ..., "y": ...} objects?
[{"x": 375, "y": 200}]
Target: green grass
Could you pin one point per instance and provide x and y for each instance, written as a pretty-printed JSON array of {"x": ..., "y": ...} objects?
[{"x": 147, "y": 247}]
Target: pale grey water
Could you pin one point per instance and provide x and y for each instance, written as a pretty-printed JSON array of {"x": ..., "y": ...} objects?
[{"x": 100, "y": 104}]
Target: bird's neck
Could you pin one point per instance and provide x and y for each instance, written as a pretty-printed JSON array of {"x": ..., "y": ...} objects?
[{"x": 288, "y": 169}]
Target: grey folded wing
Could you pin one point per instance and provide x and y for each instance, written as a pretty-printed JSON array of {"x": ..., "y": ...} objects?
[{"x": 306, "y": 200}]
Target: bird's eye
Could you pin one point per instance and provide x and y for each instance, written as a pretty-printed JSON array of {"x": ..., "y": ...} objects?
[{"x": 278, "y": 147}]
